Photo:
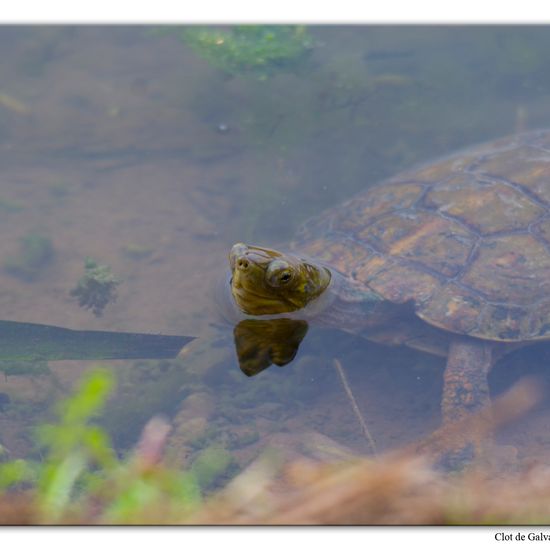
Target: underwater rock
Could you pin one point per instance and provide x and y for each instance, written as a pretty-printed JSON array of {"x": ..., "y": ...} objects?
[
  {"x": 191, "y": 425},
  {"x": 197, "y": 404},
  {"x": 180, "y": 442}
]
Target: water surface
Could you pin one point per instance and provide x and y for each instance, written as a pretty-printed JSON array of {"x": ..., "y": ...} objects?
[{"x": 123, "y": 144}]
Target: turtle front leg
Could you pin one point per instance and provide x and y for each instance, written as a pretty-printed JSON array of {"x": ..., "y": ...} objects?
[
  {"x": 465, "y": 392},
  {"x": 465, "y": 388}
]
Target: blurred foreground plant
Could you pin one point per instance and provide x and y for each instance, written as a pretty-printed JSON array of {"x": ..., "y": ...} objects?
[{"x": 82, "y": 480}]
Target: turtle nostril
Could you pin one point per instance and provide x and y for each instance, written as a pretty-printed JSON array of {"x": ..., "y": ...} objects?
[{"x": 242, "y": 263}]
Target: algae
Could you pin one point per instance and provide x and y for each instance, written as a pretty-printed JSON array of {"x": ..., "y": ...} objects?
[
  {"x": 260, "y": 50},
  {"x": 96, "y": 288},
  {"x": 36, "y": 252}
]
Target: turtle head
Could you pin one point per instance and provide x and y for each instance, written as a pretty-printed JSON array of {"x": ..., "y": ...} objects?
[{"x": 267, "y": 282}]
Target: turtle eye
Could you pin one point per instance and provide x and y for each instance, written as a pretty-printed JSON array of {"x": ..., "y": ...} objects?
[
  {"x": 279, "y": 273},
  {"x": 285, "y": 277}
]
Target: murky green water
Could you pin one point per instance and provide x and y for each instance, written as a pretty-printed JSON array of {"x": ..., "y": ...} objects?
[{"x": 123, "y": 144}]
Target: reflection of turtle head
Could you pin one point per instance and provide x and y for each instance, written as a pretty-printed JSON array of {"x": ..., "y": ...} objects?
[
  {"x": 267, "y": 282},
  {"x": 261, "y": 343}
]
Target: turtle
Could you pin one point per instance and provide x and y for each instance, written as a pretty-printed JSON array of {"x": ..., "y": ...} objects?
[{"x": 451, "y": 257}]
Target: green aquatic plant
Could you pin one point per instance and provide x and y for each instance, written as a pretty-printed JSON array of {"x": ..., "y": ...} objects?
[
  {"x": 96, "y": 288},
  {"x": 36, "y": 252},
  {"x": 250, "y": 49}
]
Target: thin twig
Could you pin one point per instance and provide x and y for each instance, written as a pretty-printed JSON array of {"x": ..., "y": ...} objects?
[{"x": 340, "y": 371}]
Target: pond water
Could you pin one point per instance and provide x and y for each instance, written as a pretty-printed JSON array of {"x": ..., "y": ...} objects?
[{"x": 135, "y": 147}]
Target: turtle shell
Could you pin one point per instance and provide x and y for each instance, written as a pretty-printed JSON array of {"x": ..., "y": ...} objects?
[{"x": 466, "y": 239}]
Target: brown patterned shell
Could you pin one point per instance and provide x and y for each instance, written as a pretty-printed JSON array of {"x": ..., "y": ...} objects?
[{"x": 467, "y": 239}]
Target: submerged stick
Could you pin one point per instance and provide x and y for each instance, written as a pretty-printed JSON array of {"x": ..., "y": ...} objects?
[
  {"x": 34, "y": 342},
  {"x": 354, "y": 406}
]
